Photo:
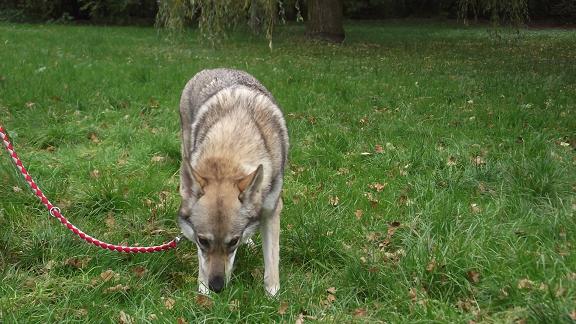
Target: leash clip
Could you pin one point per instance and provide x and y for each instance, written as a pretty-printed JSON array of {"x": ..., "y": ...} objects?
[{"x": 53, "y": 210}]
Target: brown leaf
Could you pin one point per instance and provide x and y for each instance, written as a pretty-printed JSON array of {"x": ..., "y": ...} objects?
[
  {"x": 431, "y": 265},
  {"x": 334, "y": 200},
  {"x": 118, "y": 287},
  {"x": 110, "y": 221},
  {"x": 377, "y": 186},
  {"x": 78, "y": 263},
  {"x": 94, "y": 138},
  {"x": 475, "y": 208},
  {"x": 203, "y": 301},
  {"x": 95, "y": 174},
  {"x": 139, "y": 271},
  {"x": 152, "y": 317},
  {"x": 158, "y": 158},
  {"x": 342, "y": 171},
  {"x": 560, "y": 292},
  {"x": 300, "y": 319},
  {"x": 181, "y": 320},
  {"x": 330, "y": 298},
  {"x": 478, "y": 160},
  {"x": 473, "y": 276},
  {"x": 169, "y": 303},
  {"x": 525, "y": 283},
  {"x": 379, "y": 148},
  {"x": 125, "y": 318},
  {"x": 82, "y": 312},
  {"x": 413, "y": 294},
  {"x": 358, "y": 213},
  {"x": 331, "y": 290},
  {"x": 451, "y": 161},
  {"x": 359, "y": 312},
  {"x": 16, "y": 189},
  {"x": 107, "y": 275},
  {"x": 573, "y": 315},
  {"x": 282, "y": 308}
]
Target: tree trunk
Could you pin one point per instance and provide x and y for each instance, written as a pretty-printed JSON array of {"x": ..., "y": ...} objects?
[{"x": 325, "y": 20}]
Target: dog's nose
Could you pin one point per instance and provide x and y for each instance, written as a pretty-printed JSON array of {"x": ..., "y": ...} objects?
[{"x": 216, "y": 284}]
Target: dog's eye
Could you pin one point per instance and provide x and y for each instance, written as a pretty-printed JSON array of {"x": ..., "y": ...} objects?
[
  {"x": 233, "y": 242},
  {"x": 203, "y": 242}
]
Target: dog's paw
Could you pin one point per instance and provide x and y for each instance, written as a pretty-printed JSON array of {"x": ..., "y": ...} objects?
[
  {"x": 203, "y": 289},
  {"x": 272, "y": 289}
]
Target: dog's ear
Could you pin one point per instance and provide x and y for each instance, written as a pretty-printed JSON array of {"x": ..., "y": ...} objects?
[
  {"x": 191, "y": 183},
  {"x": 251, "y": 182}
]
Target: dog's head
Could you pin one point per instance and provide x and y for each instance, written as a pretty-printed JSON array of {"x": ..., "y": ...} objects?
[{"x": 217, "y": 213}]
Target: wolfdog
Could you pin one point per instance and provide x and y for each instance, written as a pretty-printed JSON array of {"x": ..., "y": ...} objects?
[{"x": 234, "y": 151}]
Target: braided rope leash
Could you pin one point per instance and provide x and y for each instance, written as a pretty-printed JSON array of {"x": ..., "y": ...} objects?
[{"x": 55, "y": 211}]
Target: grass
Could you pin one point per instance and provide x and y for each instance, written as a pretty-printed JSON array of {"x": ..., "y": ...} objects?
[{"x": 432, "y": 175}]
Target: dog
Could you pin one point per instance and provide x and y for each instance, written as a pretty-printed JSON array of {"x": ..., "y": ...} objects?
[{"x": 234, "y": 152}]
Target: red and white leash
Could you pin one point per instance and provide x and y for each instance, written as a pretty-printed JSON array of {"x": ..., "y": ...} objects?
[{"x": 55, "y": 211}]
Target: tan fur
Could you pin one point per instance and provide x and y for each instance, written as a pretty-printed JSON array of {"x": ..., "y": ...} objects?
[{"x": 234, "y": 150}]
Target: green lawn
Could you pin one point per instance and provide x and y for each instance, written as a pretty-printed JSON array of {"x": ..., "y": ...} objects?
[{"x": 432, "y": 175}]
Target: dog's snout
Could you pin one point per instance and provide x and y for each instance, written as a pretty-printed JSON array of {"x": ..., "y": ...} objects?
[{"x": 216, "y": 284}]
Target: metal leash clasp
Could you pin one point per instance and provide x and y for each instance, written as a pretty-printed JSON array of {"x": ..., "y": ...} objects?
[{"x": 53, "y": 210}]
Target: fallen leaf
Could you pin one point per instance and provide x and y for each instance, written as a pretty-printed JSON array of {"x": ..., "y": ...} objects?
[
  {"x": 525, "y": 283},
  {"x": 169, "y": 303},
  {"x": 16, "y": 189},
  {"x": 30, "y": 104},
  {"x": 82, "y": 312},
  {"x": 379, "y": 148},
  {"x": 282, "y": 308},
  {"x": 560, "y": 292},
  {"x": 334, "y": 200},
  {"x": 139, "y": 271},
  {"x": 475, "y": 208},
  {"x": 413, "y": 294},
  {"x": 300, "y": 319},
  {"x": 478, "y": 160},
  {"x": 358, "y": 213},
  {"x": 330, "y": 298},
  {"x": 95, "y": 174},
  {"x": 125, "y": 318},
  {"x": 573, "y": 315},
  {"x": 118, "y": 287},
  {"x": 451, "y": 161},
  {"x": 203, "y": 301},
  {"x": 78, "y": 263},
  {"x": 158, "y": 158},
  {"x": 107, "y": 275},
  {"x": 331, "y": 290},
  {"x": 377, "y": 186},
  {"x": 520, "y": 321},
  {"x": 110, "y": 221},
  {"x": 342, "y": 171},
  {"x": 94, "y": 138},
  {"x": 473, "y": 276},
  {"x": 181, "y": 320},
  {"x": 431, "y": 265},
  {"x": 152, "y": 317},
  {"x": 359, "y": 312}
]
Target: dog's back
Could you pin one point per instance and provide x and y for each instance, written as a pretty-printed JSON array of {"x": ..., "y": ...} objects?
[{"x": 228, "y": 114}]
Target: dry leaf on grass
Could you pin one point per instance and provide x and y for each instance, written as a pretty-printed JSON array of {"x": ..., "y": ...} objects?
[
  {"x": 334, "y": 200},
  {"x": 451, "y": 161},
  {"x": 16, "y": 189},
  {"x": 139, "y": 271},
  {"x": 431, "y": 265},
  {"x": 118, "y": 287},
  {"x": 359, "y": 312},
  {"x": 358, "y": 213},
  {"x": 181, "y": 320},
  {"x": 152, "y": 317},
  {"x": 573, "y": 315},
  {"x": 525, "y": 284},
  {"x": 78, "y": 263},
  {"x": 110, "y": 221},
  {"x": 108, "y": 274},
  {"x": 473, "y": 276},
  {"x": 203, "y": 301},
  {"x": 300, "y": 319},
  {"x": 478, "y": 160},
  {"x": 95, "y": 174},
  {"x": 378, "y": 148},
  {"x": 169, "y": 303},
  {"x": 125, "y": 318},
  {"x": 475, "y": 208},
  {"x": 282, "y": 308},
  {"x": 158, "y": 158},
  {"x": 377, "y": 186}
]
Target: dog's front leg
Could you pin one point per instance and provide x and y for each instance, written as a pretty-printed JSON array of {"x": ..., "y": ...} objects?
[
  {"x": 270, "y": 230},
  {"x": 202, "y": 274}
]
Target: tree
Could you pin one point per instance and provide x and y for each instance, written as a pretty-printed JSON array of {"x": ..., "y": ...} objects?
[{"x": 325, "y": 20}]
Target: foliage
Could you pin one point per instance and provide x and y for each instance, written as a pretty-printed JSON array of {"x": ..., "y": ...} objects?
[
  {"x": 216, "y": 18},
  {"x": 499, "y": 11}
]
